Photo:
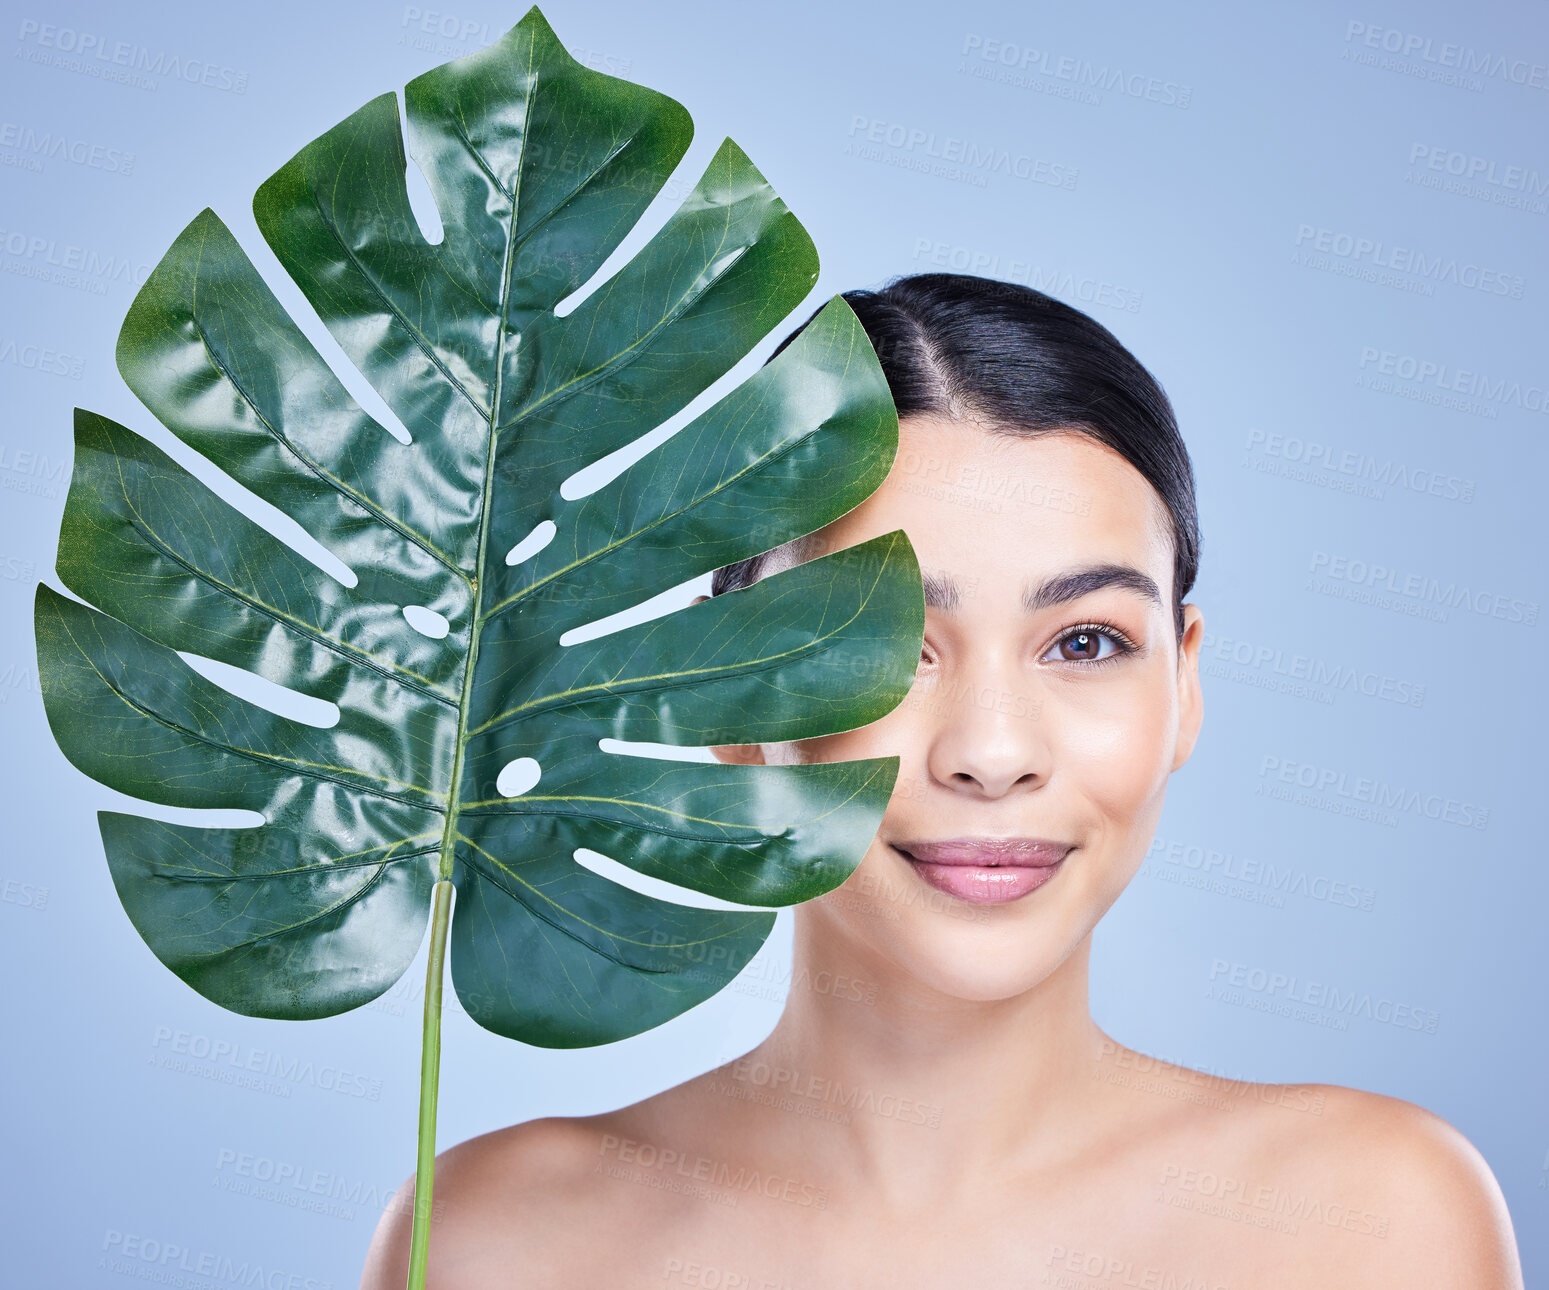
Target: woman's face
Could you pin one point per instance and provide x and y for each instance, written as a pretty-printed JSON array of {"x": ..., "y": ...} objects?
[{"x": 1027, "y": 719}]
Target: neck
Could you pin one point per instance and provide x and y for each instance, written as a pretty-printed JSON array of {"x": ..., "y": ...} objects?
[{"x": 901, "y": 1090}]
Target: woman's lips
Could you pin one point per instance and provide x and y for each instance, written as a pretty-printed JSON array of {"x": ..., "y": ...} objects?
[{"x": 986, "y": 871}]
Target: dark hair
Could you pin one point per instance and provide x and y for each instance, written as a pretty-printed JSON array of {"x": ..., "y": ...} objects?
[{"x": 962, "y": 346}]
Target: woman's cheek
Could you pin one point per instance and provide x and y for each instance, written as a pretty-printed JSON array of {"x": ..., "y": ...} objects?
[{"x": 1116, "y": 749}]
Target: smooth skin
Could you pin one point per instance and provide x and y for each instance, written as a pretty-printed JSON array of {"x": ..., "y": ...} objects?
[{"x": 936, "y": 1106}]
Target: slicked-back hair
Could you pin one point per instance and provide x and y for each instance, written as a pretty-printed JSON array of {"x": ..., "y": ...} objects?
[{"x": 1017, "y": 362}]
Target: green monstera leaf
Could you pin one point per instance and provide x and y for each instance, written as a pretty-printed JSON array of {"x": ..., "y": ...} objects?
[{"x": 444, "y": 654}]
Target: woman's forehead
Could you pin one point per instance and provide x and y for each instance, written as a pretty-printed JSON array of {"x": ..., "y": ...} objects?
[{"x": 972, "y": 498}]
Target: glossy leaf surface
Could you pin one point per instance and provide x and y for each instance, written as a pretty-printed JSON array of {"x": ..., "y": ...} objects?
[{"x": 539, "y": 168}]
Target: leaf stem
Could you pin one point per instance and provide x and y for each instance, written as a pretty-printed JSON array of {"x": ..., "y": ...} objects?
[{"x": 430, "y": 1068}]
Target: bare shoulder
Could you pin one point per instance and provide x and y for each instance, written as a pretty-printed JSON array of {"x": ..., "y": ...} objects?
[
  {"x": 1400, "y": 1194},
  {"x": 519, "y": 1206},
  {"x": 1315, "y": 1184},
  {"x": 494, "y": 1195},
  {"x": 515, "y": 1207}
]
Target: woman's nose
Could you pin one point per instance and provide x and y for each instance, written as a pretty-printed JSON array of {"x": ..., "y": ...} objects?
[{"x": 988, "y": 735}]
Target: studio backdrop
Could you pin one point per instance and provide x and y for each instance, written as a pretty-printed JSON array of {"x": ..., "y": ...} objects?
[{"x": 1324, "y": 228}]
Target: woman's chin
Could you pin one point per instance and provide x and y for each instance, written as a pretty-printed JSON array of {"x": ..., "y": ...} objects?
[
  {"x": 976, "y": 965},
  {"x": 969, "y": 983}
]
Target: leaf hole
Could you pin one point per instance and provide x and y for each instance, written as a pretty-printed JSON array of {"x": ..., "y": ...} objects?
[
  {"x": 427, "y": 622},
  {"x": 656, "y": 888},
  {"x": 261, "y": 511},
  {"x": 659, "y": 752},
  {"x": 264, "y": 693},
  {"x": 422, "y": 201},
  {"x": 658, "y": 606},
  {"x": 529, "y": 546},
  {"x": 603, "y": 471},
  {"x": 198, "y": 817},
  {"x": 518, "y": 777},
  {"x": 675, "y": 190},
  {"x": 304, "y": 314}
]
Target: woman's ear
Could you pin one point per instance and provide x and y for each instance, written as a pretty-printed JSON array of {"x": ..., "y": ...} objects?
[
  {"x": 735, "y": 754},
  {"x": 1191, "y": 699}
]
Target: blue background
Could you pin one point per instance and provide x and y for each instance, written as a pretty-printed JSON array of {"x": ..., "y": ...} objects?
[{"x": 1259, "y": 200}]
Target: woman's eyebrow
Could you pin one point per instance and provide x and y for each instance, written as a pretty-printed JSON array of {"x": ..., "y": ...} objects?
[
  {"x": 942, "y": 590},
  {"x": 1068, "y": 586}
]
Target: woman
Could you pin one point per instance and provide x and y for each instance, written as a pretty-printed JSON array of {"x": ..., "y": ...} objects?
[{"x": 936, "y": 1106}]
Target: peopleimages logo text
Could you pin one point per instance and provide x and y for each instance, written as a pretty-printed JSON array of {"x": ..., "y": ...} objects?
[
  {"x": 1446, "y": 53},
  {"x": 1422, "y": 587},
  {"x": 1078, "y": 71},
  {"x": 963, "y": 152},
  {"x": 1404, "y": 259},
  {"x": 1458, "y": 380},
  {"x": 74, "y": 47},
  {"x": 1463, "y": 165},
  {"x": 1361, "y": 465},
  {"x": 144, "y": 1258},
  {"x": 48, "y": 145},
  {"x": 1322, "y": 994},
  {"x": 31, "y": 249},
  {"x": 1341, "y": 675},
  {"x": 1379, "y": 793}
]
